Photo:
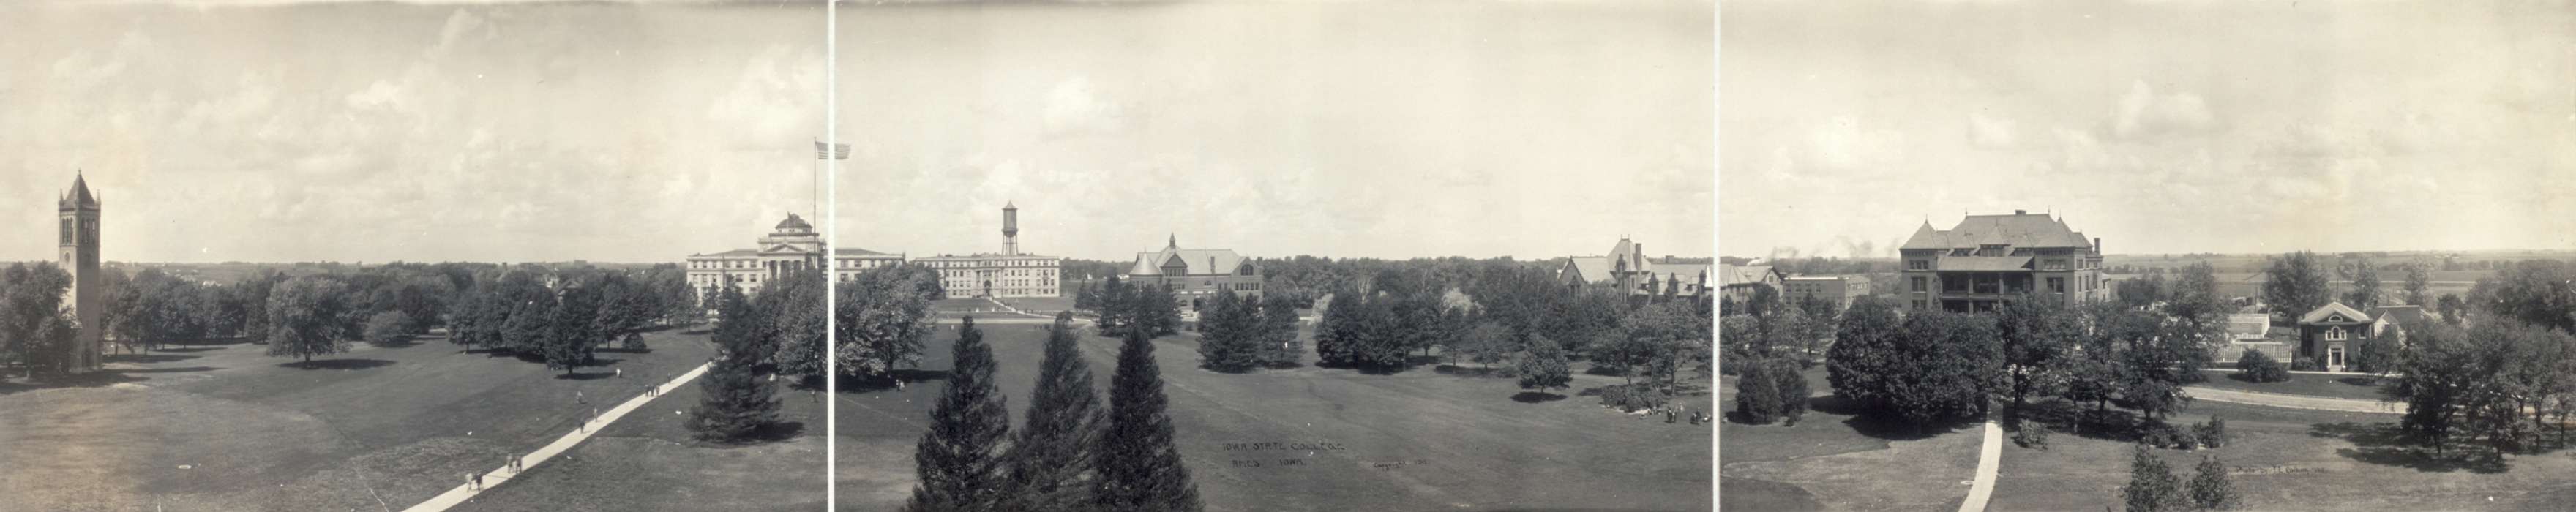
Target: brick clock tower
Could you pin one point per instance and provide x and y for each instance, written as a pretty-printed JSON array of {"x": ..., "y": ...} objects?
[{"x": 79, "y": 211}]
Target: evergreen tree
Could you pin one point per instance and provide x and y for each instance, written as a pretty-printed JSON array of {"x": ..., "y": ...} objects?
[
  {"x": 1049, "y": 460},
  {"x": 1138, "y": 468},
  {"x": 2210, "y": 489},
  {"x": 1544, "y": 367},
  {"x": 1383, "y": 335},
  {"x": 1792, "y": 386},
  {"x": 1157, "y": 311},
  {"x": 2152, "y": 485},
  {"x": 959, "y": 458},
  {"x": 1757, "y": 394},
  {"x": 737, "y": 401},
  {"x": 1280, "y": 348},
  {"x": 1338, "y": 333},
  {"x": 1229, "y": 337},
  {"x": 1115, "y": 313}
]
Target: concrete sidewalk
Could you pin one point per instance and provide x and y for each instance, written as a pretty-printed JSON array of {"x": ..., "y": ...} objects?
[
  {"x": 463, "y": 492},
  {"x": 1989, "y": 458}
]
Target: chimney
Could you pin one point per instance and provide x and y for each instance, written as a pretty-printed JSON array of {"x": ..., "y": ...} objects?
[{"x": 2097, "y": 246}]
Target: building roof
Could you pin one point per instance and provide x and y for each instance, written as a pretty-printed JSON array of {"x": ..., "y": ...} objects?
[
  {"x": 854, "y": 251},
  {"x": 2398, "y": 314},
  {"x": 1684, "y": 272},
  {"x": 794, "y": 222},
  {"x": 985, "y": 256},
  {"x": 79, "y": 194},
  {"x": 1730, "y": 275},
  {"x": 2249, "y": 326},
  {"x": 2017, "y": 230},
  {"x": 1195, "y": 261},
  {"x": 1985, "y": 263},
  {"x": 1592, "y": 268},
  {"x": 2333, "y": 308}
]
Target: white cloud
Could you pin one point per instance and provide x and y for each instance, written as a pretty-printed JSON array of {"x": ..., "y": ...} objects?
[
  {"x": 1991, "y": 132},
  {"x": 2143, "y": 112},
  {"x": 1072, "y": 107}
]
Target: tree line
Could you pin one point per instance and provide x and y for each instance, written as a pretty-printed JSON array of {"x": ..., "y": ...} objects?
[{"x": 884, "y": 317}]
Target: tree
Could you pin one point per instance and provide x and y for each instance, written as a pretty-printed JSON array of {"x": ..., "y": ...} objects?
[
  {"x": 1658, "y": 340},
  {"x": 2210, "y": 489},
  {"x": 1791, "y": 386},
  {"x": 1338, "y": 333},
  {"x": 2195, "y": 300},
  {"x": 1115, "y": 312},
  {"x": 1543, "y": 368},
  {"x": 959, "y": 458},
  {"x": 1280, "y": 348},
  {"x": 1156, "y": 310},
  {"x": 2139, "y": 293},
  {"x": 571, "y": 333},
  {"x": 1863, "y": 362},
  {"x": 737, "y": 402},
  {"x": 2418, "y": 280},
  {"x": 388, "y": 328},
  {"x": 2376, "y": 354},
  {"x": 303, "y": 315},
  {"x": 1381, "y": 341},
  {"x": 1087, "y": 296},
  {"x": 2442, "y": 374},
  {"x": 2152, "y": 485},
  {"x": 1486, "y": 343},
  {"x": 792, "y": 306},
  {"x": 32, "y": 320},
  {"x": 1229, "y": 340},
  {"x": 2036, "y": 332},
  {"x": 1946, "y": 365},
  {"x": 1137, "y": 466},
  {"x": 884, "y": 319},
  {"x": 2365, "y": 284},
  {"x": 2260, "y": 367},
  {"x": 2295, "y": 284},
  {"x": 1757, "y": 394},
  {"x": 1048, "y": 461},
  {"x": 2451, "y": 307}
]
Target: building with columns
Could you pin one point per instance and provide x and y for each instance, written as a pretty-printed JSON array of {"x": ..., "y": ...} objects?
[
  {"x": 1006, "y": 274},
  {"x": 78, "y": 209},
  {"x": 792, "y": 246}
]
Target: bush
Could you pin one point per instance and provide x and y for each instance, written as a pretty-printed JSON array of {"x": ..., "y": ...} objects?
[
  {"x": 2304, "y": 365},
  {"x": 1757, "y": 395},
  {"x": 1792, "y": 387},
  {"x": 2210, "y": 489},
  {"x": 2152, "y": 486},
  {"x": 1638, "y": 397},
  {"x": 2260, "y": 367},
  {"x": 2032, "y": 435},
  {"x": 388, "y": 327},
  {"x": 2162, "y": 435},
  {"x": 2212, "y": 433}
]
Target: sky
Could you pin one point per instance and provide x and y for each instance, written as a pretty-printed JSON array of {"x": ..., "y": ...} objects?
[
  {"x": 605, "y": 131},
  {"x": 2160, "y": 127}
]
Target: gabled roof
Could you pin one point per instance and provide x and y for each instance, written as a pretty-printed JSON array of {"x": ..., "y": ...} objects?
[
  {"x": 735, "y": 252},
  {"x": 2249, "y": 326},
  {"x": 1593, "y": 268},
  {"x": 1684, "y": 272},
  {"x": 1198, "y": 261},
  {"x": 2319, "y": 315},
  {"x": 1730, "y": 275},
  {"x": 2017, "y": 230},
  {"x": 2398, "y": 314}
]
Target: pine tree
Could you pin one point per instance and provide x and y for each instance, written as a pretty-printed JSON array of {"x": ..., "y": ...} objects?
[
  {"x": 1229, "y": 337},
  {"x": 1138, "y": 468},
  {"x": 959, "y": 459},
  {"x": 1384, "y": 338},
  {"x": 1337, "y": 334},
  {"x": 1116, "y": 313},
  {"x": 1757, "y": 394},
  {"x": 1049, "y": 460},
  {"x": 2152, "y": 486},
  {"x": 2210, "y": 489},
  {"x": 737, "y": 401},
  {"x": 1544, "y": 367},
  {"x": 1279, "y": 332}
]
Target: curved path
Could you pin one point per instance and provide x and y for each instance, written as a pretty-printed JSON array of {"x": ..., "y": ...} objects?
[
  {"x": 2317, "y": 403},
  {"x": 461, "y": 493}
]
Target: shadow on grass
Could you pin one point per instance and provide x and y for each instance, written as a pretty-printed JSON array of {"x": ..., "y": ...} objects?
[
  {"x": 2384, "y": 444},
  {"x": 771, "y": 433},
  {"x": 1604, "y": 371},
  {"x": 1366, "y": 369},
  {"x": 337, "y": 364},
  {"x": 2360, "y": 381},
  {"x": 1873, "y": 426},
  {"x": 1451, "y": 369},
  {"x": 85, "y": 380},
  {"x": 405, "y": 342},
  {"x": 2084, "y": 420},
  {"x": 2242, "y": 377},
  {"x": 1536, "y": 397},
  {"x": 584, "y": 375},
  {"x": 172, "y": 370},
  {"x": 623, "y": 350},
  {"x": 908, "y": 376},
  {"x": 146, "y": 358},
  {"x": 194, "y": 348}
]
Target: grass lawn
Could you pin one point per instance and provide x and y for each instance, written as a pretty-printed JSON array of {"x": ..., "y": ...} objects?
[
  {"x": 648, "y": 461},
  {"x": 2330, "y": 386},
  {"x": 1833, "y": 460},
  {"x": 1415, "y": 440},
  {"x": 225, "y": 427},
  {"x": 2287, "y": 459}
]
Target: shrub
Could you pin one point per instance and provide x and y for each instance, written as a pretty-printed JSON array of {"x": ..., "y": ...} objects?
[
  {"x": 2298, "y": 364},
  {"x": 2152, "y": 485},
  {"x": 2212, "y": 433},
  {"x": 1792, "y": 388},
  {"x": 1757, "y": 395},
  {"x": 2210, "y": 489},
  {"x": 2163, "y": 435},
  {"x": 1638, "y": 397},
  {"x": 388, "y": 327},
  {"x": 2260, "y": 367},
  {"x": 2032, "y": 435}
]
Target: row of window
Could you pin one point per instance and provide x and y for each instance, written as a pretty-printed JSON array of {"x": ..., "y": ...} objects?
[{"x": 991, "y": 263}]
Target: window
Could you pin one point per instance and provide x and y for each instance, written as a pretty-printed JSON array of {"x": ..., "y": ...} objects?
[
  {"x": 1918, "y": 264},
  {"x": 2057, "y": 285},
  {"x": 1920, "y": 284},
  {"x": 2336, "y": 334}
]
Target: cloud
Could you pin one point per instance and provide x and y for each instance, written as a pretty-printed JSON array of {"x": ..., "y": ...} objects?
[
  {"x": 459, "y": 24},
  {"x": 2142, "y": 112},
  {"x": 1847, "y": 143},
  {"x": 1991, "y": 132},
  {"x": 1072, "y": 107},
  {"x": 775, "y": 100}
]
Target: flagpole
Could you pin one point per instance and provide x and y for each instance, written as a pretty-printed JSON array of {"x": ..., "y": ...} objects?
[{"x": 831, "y": 230}]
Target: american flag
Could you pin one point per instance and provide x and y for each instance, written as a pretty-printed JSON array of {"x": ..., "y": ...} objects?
[{"x": 824, "y": 151}]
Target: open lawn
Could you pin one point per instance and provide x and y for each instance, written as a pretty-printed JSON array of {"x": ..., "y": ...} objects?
[
  {"x": 2285, "y": 459},
  {"x": 2355, "y": 387},
  {"x": 1415, "y": 440},
  {"x": 1040, "y": 305},
  {"x": 225, "y": 427},
  {"x": 1834, "y": 460}
]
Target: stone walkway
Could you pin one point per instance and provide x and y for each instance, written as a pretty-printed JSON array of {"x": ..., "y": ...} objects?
[
  {"x": 2295, "y": 401},
  {"x": 496, "y": 477}
]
